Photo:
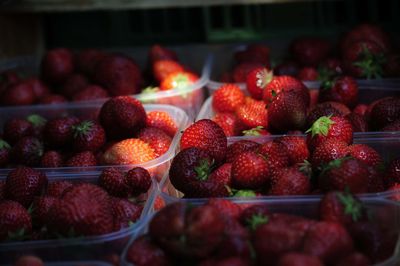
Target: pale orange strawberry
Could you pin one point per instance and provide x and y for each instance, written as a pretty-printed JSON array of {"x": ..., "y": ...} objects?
[
  {"x": 162, "y": 120},
  {"x": 129, "y": 151},
  {"x": 252, "y": 114},
  {"x": 227, "y": 98}
]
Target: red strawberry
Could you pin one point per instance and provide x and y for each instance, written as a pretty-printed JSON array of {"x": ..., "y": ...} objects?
[
  {"x": 15, "y": 129},
  {"x": 128, "y": 151},
  {"x": 287, "y": 111},
  {"x": 27, "y": 151},
  {"x": 57, "y": 65},
  {"x": 257, "y": 80},
  {"x": 87, "y": 191},
  {"x": 82, "y": 159},
  {"x": 15, "y": 221},
  {"x": 86, "y": 61},
  {"x": 206, "y": 189},
  {"x": 341, "y": 207},
  {"x": 355, "y": 259},
  {"x": 252, "y": 114},
  {"x": 179, "y": 80},
  {"x": 222, "y": 174},
  {"x": 143, "y": 252},
  {"x": 308, "y": 74},
  {"x": 289, "y": 181},
  {"x": 327, "y": 109},
  {"x": 227, "y": 98},
  {"x": 365, "y": 154},
  {"x": 118, "y": 74},
  {"x": 39, "y": 88},
  {"x": 74, "y": 84},
  {"x": 310, "y": 51},
  {"x": 342, "y": 89},
  {"x": 88, "y": 136},
  {"x": 158, "y": 52},
  {"x": 276, "y": 155},
  {"x": 41, "y": 208},
  {"x": 158, "y": 140},
  {"x": 162, "y": 68},
  {"x": 23, "y": 184},
  {"x": 392, "y": 175},
  {"x": 299, "y": 259},
  {"x": 138, "y": 180},
  {"x": 358, "y": 122},
  {"x": 328, "y": 241},
  {"x": 124, "y": 212},
  {"x": 56, "y": 189},
  {"x": 384, "y": 112},
  {"x": 18, "y": 94},
  {"x": 345, "y": 173},
  {"x": 327, "y": 151},
  {"x": 238, "y": 147},
  {"x": 226, "y": 207},
  {"x": 52, "y": 99},
  {"x": 296, "y": 147},
  {"x": 242, "y": 70},
  {"x": 51, "y": 159},
  {"x": 250, "y": 170},
  {"x": 122, "y": 117},
  {"x": 89, "y": 93},
  {"x": 329, "y": 127},
  {"x": 207, "y": 135},
  {"x": 58, "y": 132},
  {"x": 4, "y": 153},
  {"x": 162, "y": 120},
  {"x": 229, "y": 123},
  {"x": 287, "y": 68},
  {"x": 285, "y": 83},
  {"x": 360, "y": 109},
  {"x": 113, "y": 181}
]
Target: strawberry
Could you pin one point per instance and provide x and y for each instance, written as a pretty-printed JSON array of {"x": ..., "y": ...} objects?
[
  {"x": 250, "y": 170},
  {"x": 39, "y": 88},
  {"x": 56, "y": 189},
  {"x": 138, "y": 180},
  {"x": 327, "y": 151},
  {"x": 86, "y": 61},
  {"x": 229, "y": 123},
  {"x": 257, "y": 80},
  {"x": 86, "y": 191},
  {"x": 395, "y": 187},
  {"x": 329, "y": 127},
  {"x": 124, "y": 212},
  {"x": 119, "y": 75},
  {"x": 376, "y": 183},
  {"x": 394, "y": 126},
  {"x": 252, "y": 114},
  {"x": 222, "y": 174},
  {"x": 57, "y": 64},
  {"x": 355, "y": 259},
  {"x": 158, "y": 140},
  {"x": 207, "y": 135},
  {"x": 23, "y": 184},
  {"x": 296, "y": 147},
  {"x": 162, "y": 120},
  {"x": 18, "y": 94},
  {"x": 165, "y": 67},
  {"x": 128, "y": 151},
  {"x": 51, "y": 159},
  {"x": 53, "y": 99},
  {"x": 326, "y": 109},
  {"x": 287, "y": 68},
  {"x": 90, "y": 93},
  {"x": 392, "y": 174},
  {"x": 74, "y": 84},
  {"x": 4, "y": 152},
  {"x": 238, "y": 147},
  {"x": 29, "y": 260},
  {"x": 285, "y": 83},
  {"x": 254, "y": 216},
  {"x": 299, "y": 259},
  {"x": 143, "y": 252},
  {"x": 257, "y": 53},
  {"x": 58, "y": 132},
  {"x": 332, "y": 66},
  {"x": 15, "y": 221},
  {"x": 384, "y": 112},
  {"x": 287, "y": 111},
  {"x": 365, "y": 154},
  {"x": 360, "y": 109},
  {"x": 310, "y": 51},
  {"x": 227, "y": 98},
  {"x": 41, "y": 207},
  {"x": 113, "y": 181},
  {"x": 122, "y": 117},
  {"x": 308, "y": 74},
  {"x": 27, "y": 151},
  {"x": 207, "y": 189},
  {"x": 341, "y": 207},
  {"x": 81, "y": 159},
  {"x": 15, "y": 129},
  {"x": 88, "y": 136},
  {"x": 158, "y": 52},
  {"x": 38, "y": 123},
  {"x": 289, "y": 181},
  {"x": 276, "y": 155},
  {"x": 226, "y": 207},
  {"x": 242, "y": 70},
  {"x": 345, "y": 173},
  {"x": 179, "y": 80},
  {"x": 358, "y": 122},
  {"x": 342, "y": 89}
]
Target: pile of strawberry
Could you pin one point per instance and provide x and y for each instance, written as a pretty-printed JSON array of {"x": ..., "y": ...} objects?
[
  {"x": 366, "y": 51},
  {"x": 326, "y": 159},
  {"x": 221, "y": 232},
  {"x": 32, "y": 208},
  {"x": 92, "y": 74},
  {"x": 121, "y": 133}
]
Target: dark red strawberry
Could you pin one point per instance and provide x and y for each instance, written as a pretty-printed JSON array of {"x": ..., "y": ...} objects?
[
  {"x": 15, "y": 129},
  {"x": 57, "y": 64},
  {"x": 138, "y": 180},
  {"x": 53, "y": 99},
  {"x": 23, "y": 184},
  {"x": 327, "y": 151},
  {"x": 394, "y": 126},
  {"x": 252, "y": 114},
  {"x": 86, "y": 61},
  {"x": 238, "y": 147},
  {"x": 391, "y": 67},
  {"x": 41, "y": 207},
  {"x": 158, "y": 140},
  {"x": 81, "y": 159},
  {"x": 118, "y": 74},
  {"x": 360, "y": 109},
  {"x": 354, "y": 259},
  {"x": 358, "y": 122},
  {"x": 2, "y": 190},
  {"x": 376, "y": 179},
  {"x": 329, "y": 127},
  {"x": 229, "y": 123},
  {"x": 122, "y": 117},
  {"x": 18, "y": 94},
  {"x": 56, "y": 188},
  {"x": 392, "y": 175},
  {"x": 87, "y": 191},
  {"x": 143, "y": 252},
  {"x": 15, "y": 221},
  {"x": 207, "y": 135},
  {"x": 257, "y": 80},
  {"x": 113, "y": 181},
  {"x": 276, "y": 155},
  {"x": 296, "y": 147},
  {"x": 39, "y": 88},
  {"x": 226, "y": 207},
  {"x": 250, "y": 170},
  {"x": 328, "y": 241},
  {"x": 222, "y": 174},
  {"x": 342, "y": 89},
  {"x": 89, "y": 93},
  {"x": 58, "y": 132},
  {"x": 88, "y": 136},
  {"x": 27, "y": 151},
  {"x": 206, "y": 189},
  {"x": 366, "y": 154},
  {"x": 289, "y": 181},
  {"x": 299, "y": 259},
  {"x": 345, "y": 173},
  {"x": 124, "y": 212},
  {"x": 287, "y": 68},
  {"x": 254, "y": 216},
  {"x": 74, "y": 84},
  {"x": 384, "y": 112},
  {"x": 51, "y": 159},
  {"x": 258, "y": 53},
  {"x": 285, "y": 83},
  {"x": 242, "y": 70},
  {"x": 310, "y": 51},
  {"x": 162, "y": 120},
  {"x": 158, "y": 52},
  {"x": 227, "y": 98},
  {"x": 308, "y": 74},
  {"x": 4, "y": 152},
  {"x": 327, "y": 109}
]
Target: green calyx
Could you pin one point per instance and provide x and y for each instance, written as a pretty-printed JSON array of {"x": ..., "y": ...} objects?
[
  {"x": 253, "y": 132},
  {"x": 82, "y": 129},
  {"x": 306, "y": 168},
  {"x": 327, "y": 84},
  {"x": 257, "y": 220},
  {"x": 4, "y": 145},
  {"x": 264, "y": 77},
  {"x": 351, "y": 206},
  {"x": 203, "y": 170},
  {"x": 321, "y": 126},
  {"x": 325, "y": 75},
  {"x": 150, "y": 90},
  {"x": 17, "y": 235},
  {"x": 243, "y": 193},
  {"x": 370, "y": 64},
  {"x": 180, "y": 81},
  {"x": 36, "y": 120},
  {"x": 334, "y": 164}
]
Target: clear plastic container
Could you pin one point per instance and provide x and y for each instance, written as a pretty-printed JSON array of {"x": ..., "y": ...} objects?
[
  {"x": 100, "y": 248},
  {"x": 380, "y": 209},
  {"x": 90, "y": 111}
]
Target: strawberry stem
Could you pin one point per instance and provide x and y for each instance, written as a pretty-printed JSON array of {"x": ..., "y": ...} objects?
[
  {"x": 36, "y": 120},
  {"x": 257, "y": 220},
  {"x": 351, "y": 205},
  {"x": 4, "y": 145},
  {"x": 203, "y": 170},
  {"x": 253, "y": 132},
  {"x": 321, "y": 126},
  {"x": 370, "y": 64},
  {"x": 82, "y": 129}
]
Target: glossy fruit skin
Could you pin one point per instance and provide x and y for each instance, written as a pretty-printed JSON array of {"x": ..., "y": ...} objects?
[
  {"x": 222, "y": 174},
  {"x": 229, "y": 123},
  {"x": 327, "y": 151},
  {"x": 275, "y": 154},
  {"x": 242, "y": 70},
  {"x": 143, "y": 252},
  {"x": 88, "y": 136},
  {"x": 343, "y": 89},
  {"x": 81, "y": 159},
  {"x": 128, "y": 151},
  {"x": 384, "y": 112},
  {"x": 18, "y": 94},
  {"x": 366, "y": 154},
  {"x": 90, "y": 93},
  {"x": 125, "y": 212},
  {"x": 227, "y": 98},
  {"x": 57, "y": 65},
  {"x": 285, "y": 83},
  {"x": 252, "y": 114},
  {"x": 113, "y": 181},
  {"x": 290, "y": 181},
  {"x": 13, "y": 218},
  {"x": 310, "y": 51},
  {"x": 58, "y": 132},
  {"x": 296, "y": 147},
  {"x": 180, "y": 80},
  {"x": 256, "y": 81},
  {"x": 51, "y": 159},
  {"x": 326, "y": 109},
  {"x": 162, "y": 120},
  {"x": 138, "y": 180},
  {"x": 162, "y": 68},
  {"x": 15, "y": 129},
  {"x": 238, "y": 147},
  {"x": 158, "y": 140},
  {"x": 27, "y": 151},
  {"x": 358, "y": 122}
]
